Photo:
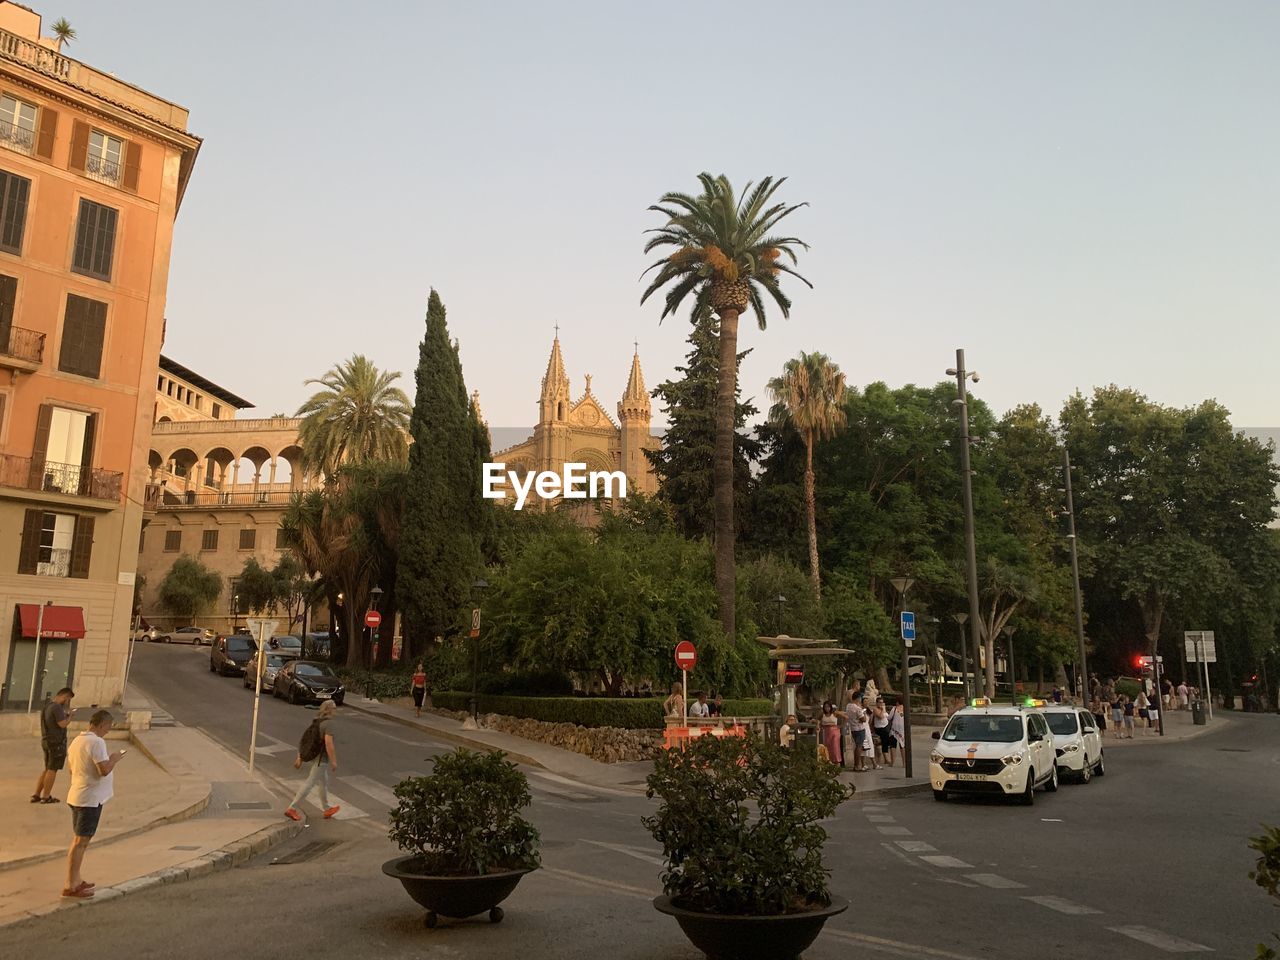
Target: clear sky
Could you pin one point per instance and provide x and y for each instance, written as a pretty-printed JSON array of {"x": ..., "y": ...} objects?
[{"x": 1077, "y": 193}]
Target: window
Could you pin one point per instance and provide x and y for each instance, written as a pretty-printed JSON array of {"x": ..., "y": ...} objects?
[
  {"x": 248, "y": 539},
  {"x": 105, "y": 158},
  {"x": 17, "y": 124},
  {"x": 68, "y": 449},
  {"x": 142, "y": 539},
  {"x": 209, "y": 540},
  {"x": 217, "y": 411},
  {"x": 55, "y": 544},
  {"x": 95, "y": 240},
  {"x": 13, "y": 210},
  {"x": 282, "y": 538},
  {"x": 160, "y": 385},
  {"x": 82, "y": 334},
  {"x": 172, "y": 541}
]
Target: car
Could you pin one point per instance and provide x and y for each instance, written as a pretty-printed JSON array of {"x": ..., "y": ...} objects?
[
  {"x": 146, "y": 632},
  {"x": 272, "y": 664},
  {"x": 193, "y": 635},
  {"x": 1076, "y": 742},
  {"x": 286, "y": 645},
  {"x": 230, "y": 655},
  {"x": 318, "y": 645},
  {"x": 307, "y": 681},
  {"x": 996, "y": 750}
]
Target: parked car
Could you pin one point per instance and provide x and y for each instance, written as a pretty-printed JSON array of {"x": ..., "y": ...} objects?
[
  {"x": 1076, "y": 741},
  {"x": 270, "y": 666},
  {"x": 193, "y": 635},
  {"x": 306, "y": 681},
  {"x": 230, "y": 655},
  {"x": 285, "y": 645},
  {"x": 994, "y": 750},
  {"x": 146, "y": 632},
  {"x": 318, "y": 645}
]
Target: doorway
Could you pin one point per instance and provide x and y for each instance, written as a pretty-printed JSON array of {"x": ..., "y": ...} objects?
[{"x": 55, "y": 670}]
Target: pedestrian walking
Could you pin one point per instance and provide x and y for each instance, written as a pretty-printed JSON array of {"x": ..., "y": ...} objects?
[
  {"x": 317, "y": 749},
  {"x": 91, "y": 786},
  {"x": 829, "y": 723},
  {"x": 419, "y": 688},
  {"x": 54, "y": 720}
]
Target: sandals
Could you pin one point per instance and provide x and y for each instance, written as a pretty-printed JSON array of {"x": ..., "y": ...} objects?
[
  {"x": 35, "y": 798},
  {"x": 50, "y": 800}
]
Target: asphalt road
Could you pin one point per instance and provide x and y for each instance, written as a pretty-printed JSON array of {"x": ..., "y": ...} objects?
[{"x": 1147, "y": 861}]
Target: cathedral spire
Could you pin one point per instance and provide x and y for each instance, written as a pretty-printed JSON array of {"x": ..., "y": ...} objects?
[
  {"x": 634, "y": 404},
  {"x": 556, "y": 380}
]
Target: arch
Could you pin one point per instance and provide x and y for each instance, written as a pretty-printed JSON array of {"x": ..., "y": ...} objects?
[{"x": 593, "y": 458}]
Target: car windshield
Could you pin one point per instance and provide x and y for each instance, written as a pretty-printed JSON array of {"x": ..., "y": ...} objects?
[
  {"x": 312, "y": 670},
  {"x": 239, "y": 645},
  {"x": 1062, "y": 723},
  {"x": 984, "y": 728},
  {"x": 275, "y": 660},
  {"x": 288, "y": 642}
]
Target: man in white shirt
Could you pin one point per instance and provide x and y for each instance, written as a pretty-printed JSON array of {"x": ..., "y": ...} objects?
[
  {"x": 701, "y": 708},
  {"x": 91, "y": 787}
]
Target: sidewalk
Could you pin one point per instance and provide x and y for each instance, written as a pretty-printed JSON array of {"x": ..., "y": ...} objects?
[{"x": 183, "y": 806}]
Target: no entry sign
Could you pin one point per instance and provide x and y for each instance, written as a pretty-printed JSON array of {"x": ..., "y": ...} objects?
[
  {"x": 686, "y": 655},
  {"x": 372, "y": 619}
]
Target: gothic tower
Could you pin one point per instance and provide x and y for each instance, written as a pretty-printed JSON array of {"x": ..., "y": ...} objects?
[
  {"x": 634, "y": 413},
  {"x": 552, "y": 432}
]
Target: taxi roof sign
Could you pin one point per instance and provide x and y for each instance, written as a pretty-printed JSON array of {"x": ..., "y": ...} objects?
[{"x": 980, "y": 702}]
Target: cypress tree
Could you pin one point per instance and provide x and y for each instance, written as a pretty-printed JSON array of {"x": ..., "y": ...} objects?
[{"x": 444, "y": 512}]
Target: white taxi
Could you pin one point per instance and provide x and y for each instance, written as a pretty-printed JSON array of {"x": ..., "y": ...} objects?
[
  {"x": 1076, "y": 741},
  {"x": 996, "y": 750}
]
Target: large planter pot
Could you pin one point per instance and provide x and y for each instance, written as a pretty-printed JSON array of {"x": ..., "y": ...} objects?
[
  {"x": 722, "y": 936},
  {"x": 455, "y": 897}
]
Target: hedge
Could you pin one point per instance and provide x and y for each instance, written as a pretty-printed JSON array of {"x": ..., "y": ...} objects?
[
  {"x": 633, "y": 714},
  {"x": 386, "y": 685}
]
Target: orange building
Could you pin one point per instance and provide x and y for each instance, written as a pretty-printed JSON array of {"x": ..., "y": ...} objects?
[{"x": 92, "y": 172}]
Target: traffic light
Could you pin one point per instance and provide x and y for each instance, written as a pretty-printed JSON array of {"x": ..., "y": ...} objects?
[{"x": 1139, "y": 661}]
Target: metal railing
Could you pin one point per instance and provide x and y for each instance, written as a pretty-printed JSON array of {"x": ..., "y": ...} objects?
[
  {"x": 102, "y": 169},
  {"x": 152, "y": 496},
  {"x": 17, "y": 138},
  {"x": 191, "y": 498},
  {"x": 34, "y": 55},
  {"x": 25, "y": 474},
  {"x": 23, "y": 344},
  {"x": 54, "y": 562}
]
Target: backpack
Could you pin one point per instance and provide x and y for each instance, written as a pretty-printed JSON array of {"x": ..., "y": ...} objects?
[{"x": 312, "y": 743}]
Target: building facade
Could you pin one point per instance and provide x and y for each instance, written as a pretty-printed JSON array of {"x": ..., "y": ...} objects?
[
  {"x": 92, "y": 173},
  {"x": 581, "y": 430}
]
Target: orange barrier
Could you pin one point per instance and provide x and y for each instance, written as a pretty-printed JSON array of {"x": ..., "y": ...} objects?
[{"x": 677, "y": 737}]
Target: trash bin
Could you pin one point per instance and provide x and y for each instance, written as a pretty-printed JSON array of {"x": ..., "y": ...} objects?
[{"x": 1197, "y": 712}]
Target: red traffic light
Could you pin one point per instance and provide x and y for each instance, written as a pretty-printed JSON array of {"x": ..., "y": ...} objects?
[{"x": 1139, "y": 661}]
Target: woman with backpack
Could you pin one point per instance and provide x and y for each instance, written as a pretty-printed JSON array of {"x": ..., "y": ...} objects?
[{"x": 316, "y": 748}]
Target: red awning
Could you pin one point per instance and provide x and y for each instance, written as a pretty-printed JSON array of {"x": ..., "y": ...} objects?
[{"x": 56, "y": 623}]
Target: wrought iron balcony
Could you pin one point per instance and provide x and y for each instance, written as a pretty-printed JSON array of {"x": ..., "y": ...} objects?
[
  {"x": 21, "y": 349},
  {"x": 225, "y": 498},
  {"x": 102, "y": 169},
  {"x": 17, "y": 138},
  {"x": 54, "y": 562},
  {"x": 72, "y": 479}
]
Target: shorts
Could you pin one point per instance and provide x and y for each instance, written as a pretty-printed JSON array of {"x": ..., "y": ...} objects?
[
  {"x": 55, "y": 755},
  {"x": 1116, "y": 716},
  {"x": 84, "y": 820},
  {"x": 886, "y": 738},
  {"x": 1128, "y": 723},
  {"x": 419, "y": 694}
]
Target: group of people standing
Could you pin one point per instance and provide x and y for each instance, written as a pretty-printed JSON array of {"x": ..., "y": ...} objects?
[
  {"x": 1128, "y": 713},
  {"x": 865, "y": 735}
]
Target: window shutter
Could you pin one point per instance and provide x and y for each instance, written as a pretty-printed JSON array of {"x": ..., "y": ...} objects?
[
  {"x": 86, "y": 456},
  {"x": 81, "y": 548},
  {"x": 40, "y": 449},
  {"x": 132, "y": 159},
  {"x": 3, "y": 397},
  {"x": 44, "y": 138},
  {"x": 79, "y": 146},
  {"x": 29, "y": 553},
  {"x": 8, "y": 296}
]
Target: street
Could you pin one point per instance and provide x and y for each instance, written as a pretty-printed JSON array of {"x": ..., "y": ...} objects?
[{"x": 1148, "y": 860}]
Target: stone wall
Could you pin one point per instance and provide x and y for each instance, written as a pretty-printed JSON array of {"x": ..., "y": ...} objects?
[{"x": 606, "y": 744}]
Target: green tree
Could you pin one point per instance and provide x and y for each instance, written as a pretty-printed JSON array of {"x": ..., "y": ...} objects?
[
  {"x": 257, "y": 587},
  {"x": 359, "y": 417},
  {"x": 683, "y": 462},
  {"x": 445, "y": 516},
  {"x": 808, "y": 397},
  {"x": 63, "y": 32},
  {"x": 725, "y": 254},
  {"x": 189, "y": 588}
]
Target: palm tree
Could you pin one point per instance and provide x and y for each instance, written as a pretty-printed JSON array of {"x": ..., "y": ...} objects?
[
  {"x": 359, "y": 417},
  {"x": 724, "y": 255},
  {"x": 809, "y": 396},
  {"x": 63, "y": 32}
]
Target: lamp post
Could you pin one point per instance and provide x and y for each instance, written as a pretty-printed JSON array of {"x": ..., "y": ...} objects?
[
  {"x": 966, "y": 475},
  {"x": 1013, "y": 672},
  {"x": 478, "y": 587},
  {"x": 35, "y": 657},
  {"x": 960, "y": 618},
  {"x": 779, "y": 602},
  {"x": 1082, "y": 674},
  {"x": 902, "y": 585}
]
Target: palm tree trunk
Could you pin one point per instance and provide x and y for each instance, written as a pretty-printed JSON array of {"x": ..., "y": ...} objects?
[
  {"x": 722, "y": 469},
  {"x": 811, "y": 511}
]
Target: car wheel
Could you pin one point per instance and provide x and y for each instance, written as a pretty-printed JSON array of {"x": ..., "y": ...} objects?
[
  {"x": 1100, "y": 768},
  {"x": 1051, "y": 785},
  {"x": 337, "y": 701},
  {"x": 940, "y": 795},
  {"x": 1086, "y": 772},
  {"x": 1028, "y": 796}
]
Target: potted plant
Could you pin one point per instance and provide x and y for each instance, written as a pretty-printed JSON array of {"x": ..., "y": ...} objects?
[
  {"x": 465, "y": 842},
  {"x": 738, "y": 824}
]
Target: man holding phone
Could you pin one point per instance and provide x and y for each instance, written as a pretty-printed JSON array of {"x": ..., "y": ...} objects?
[{"x": 91, "y": 787}]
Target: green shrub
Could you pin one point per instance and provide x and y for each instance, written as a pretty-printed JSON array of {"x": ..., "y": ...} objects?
[
  {"x": 1266, "y": 873},
  {"x": 528, "y": 683},
  {"x": 633, "y": 714},
  {"x": 387, "y": 684},
  {"x": 738, "y": 824},
  {"x": 1128, "y": 688},
  {"x": 465, "y": 817}
]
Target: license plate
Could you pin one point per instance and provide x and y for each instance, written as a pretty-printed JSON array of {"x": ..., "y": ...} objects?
[
  {"x": 971, "y": 776},
  {"x": 323, "y": 696}
]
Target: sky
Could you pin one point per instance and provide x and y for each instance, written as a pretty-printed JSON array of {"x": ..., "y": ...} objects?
[{"x": 1076, "y": 193}]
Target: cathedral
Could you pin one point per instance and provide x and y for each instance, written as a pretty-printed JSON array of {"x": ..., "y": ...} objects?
[{"x": 582, "y": 431}]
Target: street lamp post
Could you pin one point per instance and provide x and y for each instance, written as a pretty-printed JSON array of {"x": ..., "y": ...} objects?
[
  {"x": 960, "y": 618},
  {"x": 902, "y": 585},
  {"x": 779, "y": 602},
  {"x": 478, "y": 587},
  {"x": 1013, "y": 672},
  {"x": 971, "y": 554},
  {"x": 1082, "y": 674}
]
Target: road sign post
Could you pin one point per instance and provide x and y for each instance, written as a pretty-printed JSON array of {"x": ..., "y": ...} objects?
[
  {"x": 686, "y": 660},
  {"x": 1202, "y": 649},
  {"x": 907, "y": 629},
  {"x": 262, "y": 630}
]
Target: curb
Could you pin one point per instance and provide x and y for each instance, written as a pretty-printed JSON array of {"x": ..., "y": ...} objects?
[
  {"x": 232, "y": 855},
  {"x": 448, "y": 735},
  {"x": 903, "y": 791}
]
